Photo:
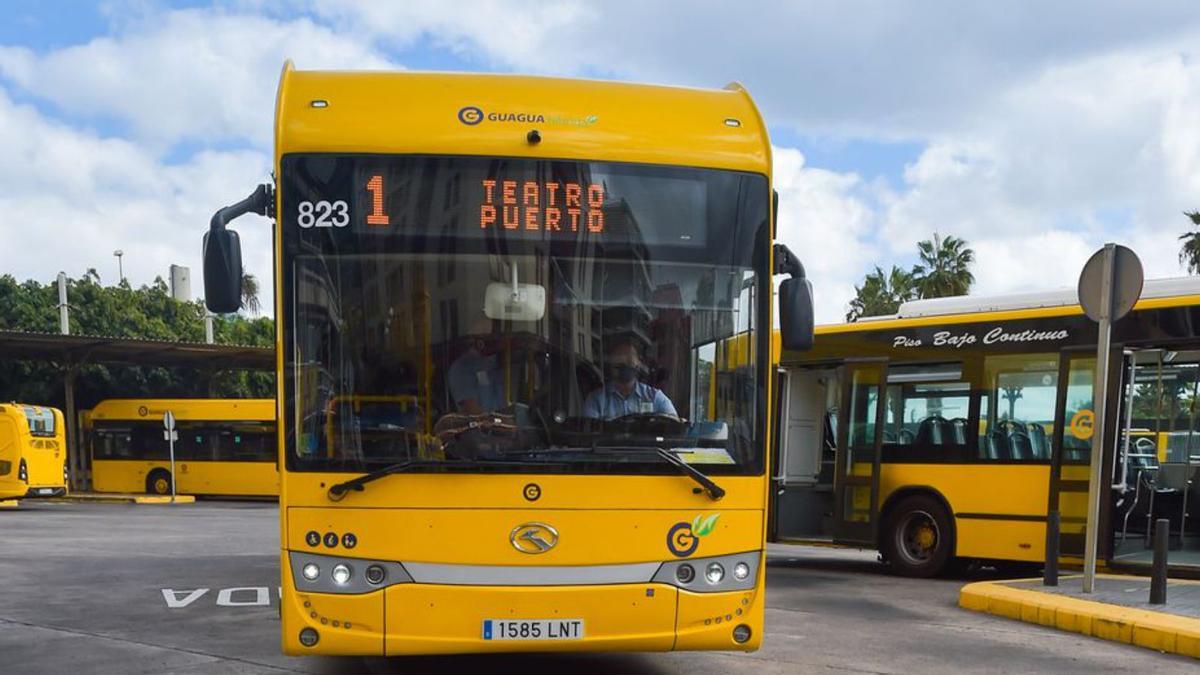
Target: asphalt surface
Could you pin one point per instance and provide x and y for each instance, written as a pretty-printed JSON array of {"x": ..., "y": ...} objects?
[{"x": 105, "y": 588}]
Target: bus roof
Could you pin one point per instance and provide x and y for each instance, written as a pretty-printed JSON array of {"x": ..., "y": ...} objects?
[
  {"x": 213, "y": 409},
  {"x": 490, "y": 115},
  {"x": 1170, "y": 292}
]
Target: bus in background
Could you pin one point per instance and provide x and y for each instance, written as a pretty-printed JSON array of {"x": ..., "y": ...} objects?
[
  {"x": 225, "y": 446},
  {"x": 952, "y": 429},
  {"x": 500, "y": 301},
  {"x": 33, "y": 451}
]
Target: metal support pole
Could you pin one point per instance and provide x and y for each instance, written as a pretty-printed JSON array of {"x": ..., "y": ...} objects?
[
  {"x": 208, "y": 328},
  {"x": 1158, "y": 573},
  {"x": 1099, "y": 407},
  {"x": 1050, "y": 576},
  {"x": 64, "y": 314}
]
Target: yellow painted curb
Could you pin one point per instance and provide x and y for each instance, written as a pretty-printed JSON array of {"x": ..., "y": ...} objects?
[
  {"x": 9, "y": 504},
  {"x": 156, "y": 499},
  {"x": 119, "y": 498},
  {"x": 1155, "y": 630}
]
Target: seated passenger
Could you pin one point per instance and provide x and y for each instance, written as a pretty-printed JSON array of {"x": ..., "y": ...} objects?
[
  {"x": 476, "y": 379},
  {"x": 623, "y": 393}
]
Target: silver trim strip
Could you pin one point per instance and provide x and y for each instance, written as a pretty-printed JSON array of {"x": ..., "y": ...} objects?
[{"x": 531, "y": 575}]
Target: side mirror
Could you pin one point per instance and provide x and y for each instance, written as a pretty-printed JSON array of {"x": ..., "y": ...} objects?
[
  {"x": 795, "y": 302},
  {"x": 223, "y": 251},
  {"x": 222, "y": 271},
  {"x": 796, "y": 314}
]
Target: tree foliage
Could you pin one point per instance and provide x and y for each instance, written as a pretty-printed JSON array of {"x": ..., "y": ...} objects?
[
  {"x": 147, "y": 312},
  {"x": 881, "y": 293},
  {"x": 944, "y": 270},
  {"x": 1189, "y": 251}
]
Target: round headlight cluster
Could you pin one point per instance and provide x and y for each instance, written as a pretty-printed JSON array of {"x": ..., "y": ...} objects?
[
  {"x": 741, "y": 571},
  {"x": 341, "y": 574},
  {"x": 714, "y": 573},
  {"x": 311, "y": 571}
]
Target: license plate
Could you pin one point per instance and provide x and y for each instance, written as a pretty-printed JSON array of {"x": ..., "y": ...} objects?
[
  {"x": 45, "y": 491},
  {"x": 532, "y": 629}
]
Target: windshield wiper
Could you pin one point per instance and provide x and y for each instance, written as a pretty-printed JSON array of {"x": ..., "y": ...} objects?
[
  {"x": 337, "y": 492},
  {"x": 714, "y": 491}
]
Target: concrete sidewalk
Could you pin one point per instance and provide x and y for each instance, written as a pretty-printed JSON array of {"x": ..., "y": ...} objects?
[{"x": 1118, "y": 609}]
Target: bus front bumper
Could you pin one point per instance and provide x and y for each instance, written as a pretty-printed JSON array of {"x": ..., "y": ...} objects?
[{"x": 421, "y": 618}]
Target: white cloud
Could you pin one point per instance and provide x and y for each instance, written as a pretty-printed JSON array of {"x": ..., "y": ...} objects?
[
  {"x": 201, "y": 75},
  {"x": 70, "y": 198}
]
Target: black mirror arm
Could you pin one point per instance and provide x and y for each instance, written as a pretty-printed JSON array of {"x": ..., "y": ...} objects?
[
  {"x": 788, "y": 263},
  {"x": 261, "y": 201}
]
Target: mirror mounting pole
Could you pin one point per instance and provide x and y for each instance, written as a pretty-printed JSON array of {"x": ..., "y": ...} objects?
[
  {"x": 261, "y": 201},
  {"x": 787, "y": 263}
]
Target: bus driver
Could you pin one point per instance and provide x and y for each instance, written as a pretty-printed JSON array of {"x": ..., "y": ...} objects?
[{"x": 622, "y": 393}]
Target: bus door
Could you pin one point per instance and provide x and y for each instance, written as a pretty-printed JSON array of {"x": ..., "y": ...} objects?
[
  {"x": 859, "y": 446},
  {"x": 802, "y": 482},
  {"x": 1072, "y": 447}
]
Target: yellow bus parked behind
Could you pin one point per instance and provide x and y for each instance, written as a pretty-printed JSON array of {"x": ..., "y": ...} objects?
[
  {"x": 33, "y": 451},
  {"x": 951, "y": 430},
  {"x": 498, "y": 311},
  {"x": 224, "y": 446}
]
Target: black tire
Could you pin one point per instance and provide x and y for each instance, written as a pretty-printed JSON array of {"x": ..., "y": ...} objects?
[
  {"x": 158, "y": 482},
  {"x": 918, "y": 537}
]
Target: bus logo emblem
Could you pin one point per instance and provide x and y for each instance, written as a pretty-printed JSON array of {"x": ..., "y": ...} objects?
[
  {"x": 470, "y": 115},
  {"x": 533, "y": 538},
  {"x": 684, "y": 538}
]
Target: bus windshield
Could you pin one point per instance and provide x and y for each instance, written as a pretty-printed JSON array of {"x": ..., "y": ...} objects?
[{"x": 531, "y": 315}]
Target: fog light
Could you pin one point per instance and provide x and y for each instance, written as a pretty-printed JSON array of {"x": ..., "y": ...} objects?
[
  {"x": 341, "y": 574},
  {"x": 741, "y": 571},
  {"x": 311, "y": 571},
  {"x": 714, "y": 573},
  {"x": 376, "y": 574},
  {"x": 685, "y": 573},
  {"x": 741, "y": 634},
  {"x": 309, "y": 637}
]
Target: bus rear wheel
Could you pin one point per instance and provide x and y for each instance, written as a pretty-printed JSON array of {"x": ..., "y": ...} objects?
[
  {"x": 158, "y": 482},
  {"x": 918, "y": 537}
]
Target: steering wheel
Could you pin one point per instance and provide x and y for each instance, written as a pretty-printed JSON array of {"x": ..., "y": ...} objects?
[{"x": 650, "y": 416}]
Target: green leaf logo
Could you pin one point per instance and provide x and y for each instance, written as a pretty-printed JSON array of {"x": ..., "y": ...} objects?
[{"x": 701, "y": 528}]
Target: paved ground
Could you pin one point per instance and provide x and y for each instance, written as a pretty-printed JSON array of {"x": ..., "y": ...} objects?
[
  {"x": 82, "y": 591},
  {"x": 1183, "y": 597}
]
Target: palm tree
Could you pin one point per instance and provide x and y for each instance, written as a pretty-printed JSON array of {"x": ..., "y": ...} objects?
[
  {"x": 250, "y": 293},
  {"x": 881, "y": 294},
  {"x": 945, "y": 267},
  {"x": 1189, "y": 253}
]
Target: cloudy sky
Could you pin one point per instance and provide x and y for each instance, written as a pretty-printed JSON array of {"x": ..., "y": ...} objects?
[{"x": 1036, "y": 131}]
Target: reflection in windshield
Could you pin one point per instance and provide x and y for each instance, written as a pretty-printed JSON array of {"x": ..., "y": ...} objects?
[{"x": 456, "y": 348}]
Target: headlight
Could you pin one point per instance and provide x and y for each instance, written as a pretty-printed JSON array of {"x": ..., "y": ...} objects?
[
  {"x": 714, "y": 573},
  {"x": 311, "y": 571},
  {"x": 741, "y": 571},
  {"x": 341, "y": 574},
  {"x": 685, "y": 573},
  {"x": 376, "y": 574}
]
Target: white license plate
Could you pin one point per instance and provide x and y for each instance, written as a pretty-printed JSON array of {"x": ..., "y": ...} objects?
[
  {"x": 532, "y": 629},
  {"x": 45, "y": 491}
]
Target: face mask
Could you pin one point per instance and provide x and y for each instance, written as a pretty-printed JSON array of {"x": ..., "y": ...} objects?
[{"x": 624, "y": 373}]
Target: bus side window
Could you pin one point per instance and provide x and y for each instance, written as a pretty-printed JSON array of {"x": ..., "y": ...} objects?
[
  {"x": 1016, "y": 420},
  {"x": 928, "y": 407}
]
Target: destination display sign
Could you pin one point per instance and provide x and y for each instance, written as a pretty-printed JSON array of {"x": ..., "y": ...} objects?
[{"x": 484, "y": 198}]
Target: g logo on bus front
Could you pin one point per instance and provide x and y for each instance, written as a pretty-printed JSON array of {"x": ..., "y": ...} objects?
[
  {"x": 470, "y": 115},
  {"x": 684, "y": 538},
  {"x": 680, "y": 540}
]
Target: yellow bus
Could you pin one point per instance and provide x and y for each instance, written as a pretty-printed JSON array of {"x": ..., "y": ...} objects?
[
  {"x": 527, "y": 278},
  {"x": 952, "y": 429},
  {"x": 33, "y": 451},
  {"x": 224, "y": 446}
]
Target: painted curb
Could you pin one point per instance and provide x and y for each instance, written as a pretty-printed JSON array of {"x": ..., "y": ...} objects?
[
  {"x": 115, "y": 498},
  {"x": 1169, "y": 633}
]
